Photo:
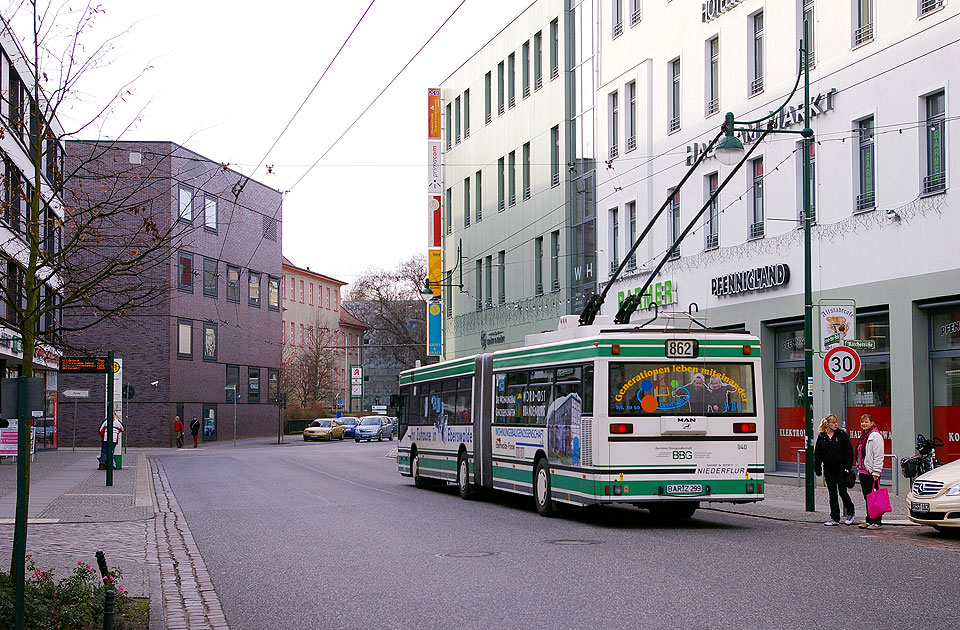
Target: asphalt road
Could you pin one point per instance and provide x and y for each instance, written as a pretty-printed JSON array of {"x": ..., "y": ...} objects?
[{"x": 330, "y": 536}]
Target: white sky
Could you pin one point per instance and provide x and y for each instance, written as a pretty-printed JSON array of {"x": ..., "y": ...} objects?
[{"x": 227, "y": 75}]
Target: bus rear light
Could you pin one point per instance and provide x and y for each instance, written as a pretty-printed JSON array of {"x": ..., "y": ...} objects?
[
  {"x": 615, "y": 348},
  {"x": 621, "y": 428},
  {"x": 744, "y": 427},
  {"x": 749, "y": 488},
  {"x": 617, "y": 490},
  {"x": 606, "y": 489},
  {"x": 747, "y": 350}
]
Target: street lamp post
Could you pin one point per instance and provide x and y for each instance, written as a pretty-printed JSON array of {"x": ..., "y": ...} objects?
[{"x": 728, "y": 151}]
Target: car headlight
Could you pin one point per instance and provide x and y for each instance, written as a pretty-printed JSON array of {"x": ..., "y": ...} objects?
[{"x": 954, "y": 491}]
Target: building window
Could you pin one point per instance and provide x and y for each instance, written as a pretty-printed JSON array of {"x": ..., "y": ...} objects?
[
  {"x": 184, "y": 339},
  {"x": 866, "y": 199},
  {"x": 512, "y": 176},
  {"x": 613, "y": 138},
  {"x": 488, "y": 98},
  {"x": 253, "y": 289},
  {"x": 554, "y": 49},
  {"x": 232, "y": 388},
  {"x": 253, "y": 385},
  {"x": 301, "y": 291},
  {"x": 863, "y": 24},
  {"x": 674, "y": 114},
  {"x": 526, "y": 171},
  {"x": 538, "y": 60},
  {"x": 945, "y": 380},
  {"x": 336, "y": 300},
  {"x": 500, "y": 88},
  {"x": 489, "y": 281},
  {"x": 636, "y": 12},
  {"x": 293, "y": 289},
  {"x": 209, "y": 341},
  {"x": 511, "y": 79},
  {"x": 617, "y": 18},
  {"x": 713, "y": 76},
  {"x": 500, "y": 184},
  {"x": 328, "y": 298},
  {"x": 185, "y": 271},
  {"x": 756, "y": 54},
  {"x": 555, "y": 260},
  {"x": 756, "y": 226},
  {"x": 809, "y": 15},
  {"x": 477, "y": 198},
  {"x": 273, "y": 385},
  {"x": 311, "y": 295},
  {"x": 936, "y": 147},
  {"x": 673, "y": 224},
  {"x": 448, "y": 209},
  {"x": 456, "y": 115},
  {"x": 466, "y": 202},
  {"x": 479, "y": 283},
  {"x": 233, "y": 283},
  {"x": 449, "y": 126},
  {"x": 712, "y": 235},
  {"x": 525, "y": 71},
  {"x": 614, "y": 239},
  {"x": 466, "y": 114},
  {"x": 303, "y": 337},
  {"x": 273, "y": 293},
  {"x": 555, "y": 156},
  {"x": 502, "y": 277},
  {"x": 929, "y": 6},
  {"x": 538, "y": 264},
  {"x": 186, "y": 204},
  {"x": 210, "y": 213},
  {"x": 631, "y": 232},
  {"x": 210, "y": 277},
  {"x": 631, "y": 119}
]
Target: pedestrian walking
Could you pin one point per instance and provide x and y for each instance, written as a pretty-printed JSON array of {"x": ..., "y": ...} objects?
[
  {"x": 833, "y": 458},
  {"x": 105, "y": 444},
  {"x": 178, "y": 431},
  {"x": 195, "y": 430},
  {"x": 869, "y": 463}
]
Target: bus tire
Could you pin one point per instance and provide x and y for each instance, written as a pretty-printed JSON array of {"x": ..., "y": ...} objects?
[
  {"x": 418, "y": 481},
  {"x": 541, "y": 488},
  {"x": 463, "y": 478},
  {"x": 673, "y": 512}
]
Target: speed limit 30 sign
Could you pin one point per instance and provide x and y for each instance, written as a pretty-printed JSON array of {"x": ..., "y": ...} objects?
[{"x": 842, "y": 364}]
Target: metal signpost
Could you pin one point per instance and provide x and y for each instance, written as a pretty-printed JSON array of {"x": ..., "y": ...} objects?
[
  {"x": 97, "y": 365},
  {"x": 76, "y": 394}
]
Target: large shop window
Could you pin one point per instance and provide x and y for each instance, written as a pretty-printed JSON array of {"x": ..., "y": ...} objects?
[
  {"x": 870, "y": 391},
  {"x": 788, "y": 364},
  {"x": 945, "y": 381}
]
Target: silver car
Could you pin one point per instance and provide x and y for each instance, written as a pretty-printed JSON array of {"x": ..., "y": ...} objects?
[{"x": 371, "y": 427}]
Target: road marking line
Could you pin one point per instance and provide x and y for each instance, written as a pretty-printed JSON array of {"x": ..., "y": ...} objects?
[{"x": 360, "y": 485}]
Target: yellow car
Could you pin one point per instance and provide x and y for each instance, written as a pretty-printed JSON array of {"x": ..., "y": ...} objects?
[
  {"x": 324, "y": 429},
  {"x": 934, "y": 498}
]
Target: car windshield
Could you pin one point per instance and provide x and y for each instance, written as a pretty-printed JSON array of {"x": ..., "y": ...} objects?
[
  {"x": 321, "y": 423},
  {"x": 349, "y": 421},
  {"x": 371, "y": 420}
]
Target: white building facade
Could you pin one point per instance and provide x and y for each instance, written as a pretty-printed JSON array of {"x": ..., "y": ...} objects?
[{"x": 883, "y": 113}]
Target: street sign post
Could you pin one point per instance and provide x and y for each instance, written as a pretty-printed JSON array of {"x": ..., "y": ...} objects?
[
  {"x": 75, "y": 394},
  {"x": 841, "y": 364},
  {"x": 861, "y": 344}
]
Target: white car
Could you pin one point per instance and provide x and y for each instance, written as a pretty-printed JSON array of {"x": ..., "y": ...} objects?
[{"x": 934, "y": 497}]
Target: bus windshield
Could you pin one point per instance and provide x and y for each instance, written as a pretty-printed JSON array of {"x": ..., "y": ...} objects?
[{"x": 673, "y": 387}]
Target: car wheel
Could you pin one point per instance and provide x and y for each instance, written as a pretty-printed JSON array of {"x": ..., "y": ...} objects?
[
  {"x": 379, "y": 437},
  {"x": 418, "y": 481},
  {"x": 541, "y": 488},
  {"x": 463, "y": 478},
  {"x": 357, "y": 440},
  {"x": 390, "y": 436}
]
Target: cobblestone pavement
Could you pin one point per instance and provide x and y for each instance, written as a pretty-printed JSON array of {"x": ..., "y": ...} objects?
[{"x": 189, "y": 600}]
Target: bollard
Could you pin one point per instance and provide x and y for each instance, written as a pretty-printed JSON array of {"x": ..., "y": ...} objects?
[
  {"x": 102, "y": 563},
  {"x": 108, "y": 599}
]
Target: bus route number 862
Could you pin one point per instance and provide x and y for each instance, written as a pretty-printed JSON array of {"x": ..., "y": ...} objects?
[{"x": 682, "y": 349}]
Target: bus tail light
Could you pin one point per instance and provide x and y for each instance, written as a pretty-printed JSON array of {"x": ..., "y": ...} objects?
[
  {"x": 747, "y": 350},
  {"x": 620, "y": 428},
  {"x": 744, "y": 427}
]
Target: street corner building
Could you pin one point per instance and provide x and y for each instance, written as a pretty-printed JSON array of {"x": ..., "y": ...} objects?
[{"x": 208, "y": 342}]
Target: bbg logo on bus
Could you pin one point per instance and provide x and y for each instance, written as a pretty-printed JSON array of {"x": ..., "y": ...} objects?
[{"x": 682, "y": 454}]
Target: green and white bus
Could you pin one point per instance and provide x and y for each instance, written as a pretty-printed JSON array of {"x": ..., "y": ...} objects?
[{"x": 664, "y": 416}]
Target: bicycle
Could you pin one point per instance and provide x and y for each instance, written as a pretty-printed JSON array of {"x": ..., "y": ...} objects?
[{"x": 925, "y": 460}]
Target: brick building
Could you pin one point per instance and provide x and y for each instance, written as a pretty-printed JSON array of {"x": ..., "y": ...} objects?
[{"x": 216, "y": 323}]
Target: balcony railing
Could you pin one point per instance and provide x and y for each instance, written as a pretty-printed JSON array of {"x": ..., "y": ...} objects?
[
  {"x": 489, "y": 118},
  {"x": 926, "y": 6},
  {"x": 539, "y": 288},
  {"x": 614, "y": 152},
  {"x": 866, "y": 201},
  {"x": 712, "y": 241},
  {"x": 713, "y": 106},
  {"x": 554, "y": 72},
  {"x": 513, "y": 199},
  {"x": 673, "y": 124},
  {"x": 675, "y": 254},
  {"x": 631, "y": 143},
  {"x": 500, "y": 109},
  {"x": 466, "y": 133},
  {"x": 863, "y": 34},
  {"x": 526, "y": 192},
  {"x": 934, "y": 183},
  {"x": 756, "y": 230},
  {"x": 613, "y": 266},
  {"x": 555, "y": 179},
  {"x": 556, "y": 284},
  {"x": 636, "y": 16},
  {"x": 500, "y": 205},
  {"x": 513, "y": 101},
  {"x": 617, "y": 30},
  {"x": 632, "y": 263},
  {"x": 489, "y": 302},
  {"x": 526, "y": 91},
  {"x": 479, "y": 305},
  {"x": 756, "y": 86}
]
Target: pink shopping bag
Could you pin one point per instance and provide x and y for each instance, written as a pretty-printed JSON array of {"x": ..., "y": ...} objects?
[{"x": 878, "y": 502}]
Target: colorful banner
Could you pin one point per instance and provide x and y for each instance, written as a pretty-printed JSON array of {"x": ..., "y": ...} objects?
[
  {"x": 433, "y": 220},
  {"x": 434, "y": 329},
  {"x": 433, "y": 113},
  {"x": 837, "y": 324},
  {"x": 434, "y": 270}
]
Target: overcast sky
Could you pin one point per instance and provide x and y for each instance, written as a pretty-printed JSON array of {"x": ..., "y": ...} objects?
[{"x": 226, "y": 76}]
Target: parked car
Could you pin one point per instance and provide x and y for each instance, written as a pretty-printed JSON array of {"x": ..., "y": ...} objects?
[
  {"x": 934, "y": 497},
  {"x": 371, "y": 427},
  {"x": 349, "y": 424},
  {"x": 324, "y": 429},
  {"x": 394, "y": 424}
]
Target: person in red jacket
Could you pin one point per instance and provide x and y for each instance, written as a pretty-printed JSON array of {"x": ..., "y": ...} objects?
[{"x": 178, "y": 431}]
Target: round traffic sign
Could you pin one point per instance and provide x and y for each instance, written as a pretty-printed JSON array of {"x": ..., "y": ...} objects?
[{"x": 842, "y": 364}]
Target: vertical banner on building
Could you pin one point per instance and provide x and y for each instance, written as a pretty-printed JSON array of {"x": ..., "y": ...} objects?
[
  {"x": 434, "y": 329},
  {"x": 433, "y": 113},
  {"x": 434, "y": 272},
  {"x": 433, "y": 220}
]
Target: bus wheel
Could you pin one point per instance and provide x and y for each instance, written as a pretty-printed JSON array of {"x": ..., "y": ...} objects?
[
  {"x": 463, "y": 478},
  {"x": 418, "y": 481},
  {"x": 673, "y": 512},
  {"x": 541, "y": 488}
]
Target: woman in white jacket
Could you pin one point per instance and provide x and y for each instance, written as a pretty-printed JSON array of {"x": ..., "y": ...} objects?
[{"x": 869, "y": 462}]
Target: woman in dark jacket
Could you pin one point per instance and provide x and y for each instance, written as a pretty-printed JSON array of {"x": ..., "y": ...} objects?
[{"x": 833, "y": 458}]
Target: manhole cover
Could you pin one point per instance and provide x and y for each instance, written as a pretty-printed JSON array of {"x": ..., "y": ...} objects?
[
  {"x": 573, "y": 542},
  {"x": 467, "y": 554}
]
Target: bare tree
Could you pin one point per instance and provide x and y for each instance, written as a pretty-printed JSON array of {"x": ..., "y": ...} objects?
[{"x": 308, "y": 373}]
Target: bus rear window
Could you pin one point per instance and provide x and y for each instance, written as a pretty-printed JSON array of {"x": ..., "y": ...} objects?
[{"x": 673, "y": 388}]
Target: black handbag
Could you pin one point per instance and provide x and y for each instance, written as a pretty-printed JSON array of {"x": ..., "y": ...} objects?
[{"x": 850, "y": 477}]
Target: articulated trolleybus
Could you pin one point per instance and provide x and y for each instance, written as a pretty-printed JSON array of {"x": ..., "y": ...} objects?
[{"x": 665, "y": 416}]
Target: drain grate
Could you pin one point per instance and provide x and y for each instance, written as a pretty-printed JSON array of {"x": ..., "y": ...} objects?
[
  {"x": 573, "y": 541},
  {"x": 467, "y": 554}
]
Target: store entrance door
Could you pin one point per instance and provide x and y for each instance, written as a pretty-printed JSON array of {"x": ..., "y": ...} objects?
[{"x": 209, "y": 423}]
